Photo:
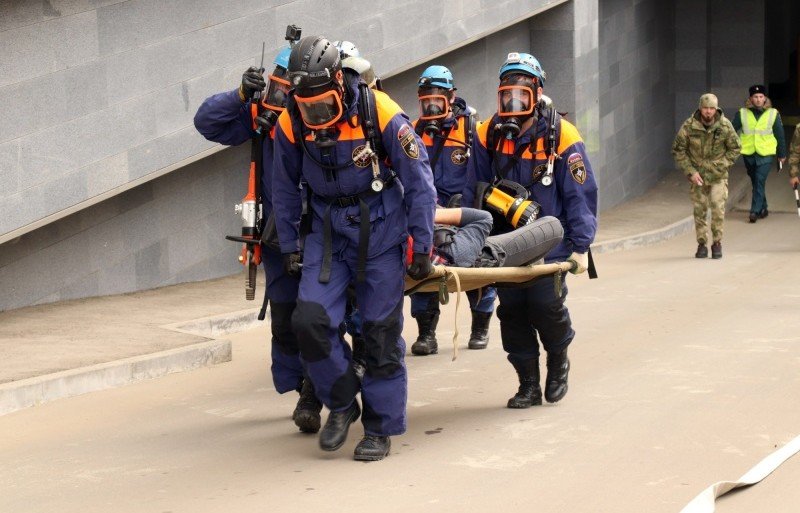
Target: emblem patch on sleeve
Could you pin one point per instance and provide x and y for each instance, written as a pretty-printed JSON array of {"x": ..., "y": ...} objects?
[
  {"x": 577, "y": 168},
  {"x": 458, "y": 157},
  {"x": 407, "y": 141}
]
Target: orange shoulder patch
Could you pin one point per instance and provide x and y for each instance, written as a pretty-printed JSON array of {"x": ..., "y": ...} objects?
[
  {"x": 569, "y": 136},
  {"x": 285, "y": 122},
  {"x": 483, "y": 129},
  {"x": 386, "y": 107}
]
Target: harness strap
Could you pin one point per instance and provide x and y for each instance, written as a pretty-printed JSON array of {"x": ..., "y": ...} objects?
[{"x": 363, "y": 231}]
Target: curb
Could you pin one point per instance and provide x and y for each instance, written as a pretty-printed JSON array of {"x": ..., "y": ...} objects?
[
  {"x": 25, "y": 393},
  {"x": 667, "y": 232}
]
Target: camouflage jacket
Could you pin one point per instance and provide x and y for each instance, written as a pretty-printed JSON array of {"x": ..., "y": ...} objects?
[
  {"x": 794, "y": 153},
  {"x": 710, "y": 151}
]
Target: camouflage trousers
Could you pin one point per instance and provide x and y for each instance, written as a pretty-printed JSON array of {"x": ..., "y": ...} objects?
[{"x": 709, "y": 197}]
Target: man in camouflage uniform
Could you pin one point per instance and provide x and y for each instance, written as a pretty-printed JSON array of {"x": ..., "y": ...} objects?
[
  {"x": 705, "y": 148},
  {"x": 794, "y": 159}
]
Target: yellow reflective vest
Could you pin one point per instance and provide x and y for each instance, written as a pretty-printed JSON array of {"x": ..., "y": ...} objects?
[{"x": 757, "y": 136}]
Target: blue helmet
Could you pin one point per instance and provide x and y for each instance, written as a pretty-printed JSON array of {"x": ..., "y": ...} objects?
[
  {"x": 524, "y": 63},
  {"x": 282, "y": 59},
  {"x": 436, "y": 76}
]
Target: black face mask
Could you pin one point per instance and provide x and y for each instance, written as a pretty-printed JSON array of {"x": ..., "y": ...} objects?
[
  {"x": 325, "y": 138},
  {"x": 432, "y": 127},
  {"x": 511, "y": 126}
]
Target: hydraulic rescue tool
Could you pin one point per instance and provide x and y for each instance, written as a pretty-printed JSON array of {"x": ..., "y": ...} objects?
[{"x": 250, "y": 208}]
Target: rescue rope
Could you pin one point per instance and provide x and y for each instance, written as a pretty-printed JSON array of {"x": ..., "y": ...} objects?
[{"x": 704, "y": 502}]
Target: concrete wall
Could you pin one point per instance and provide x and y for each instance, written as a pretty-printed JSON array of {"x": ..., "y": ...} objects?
[
  {"x": 637, "y": 123},
  {"x": 169, "y": 230},
  {"x": 109, "y": 189},
  {"x": 474, "y": 69},
  {"x": 124, "y": 78},
  {"x": 712, "y": 55}
]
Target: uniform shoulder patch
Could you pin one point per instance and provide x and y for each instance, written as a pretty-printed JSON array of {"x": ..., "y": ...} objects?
[
  {"x": 407, "y": 141},
  {"x": 577, "y": 168}
]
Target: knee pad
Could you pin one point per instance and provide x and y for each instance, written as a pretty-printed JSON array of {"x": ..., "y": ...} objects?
[
  {"x": 384, "y": 356},
  {"x": 282, "y": 333},
  {"x": 311, "y": 324}
]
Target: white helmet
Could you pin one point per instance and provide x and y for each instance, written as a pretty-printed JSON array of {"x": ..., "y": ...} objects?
[{"x": 347, "y": 49}]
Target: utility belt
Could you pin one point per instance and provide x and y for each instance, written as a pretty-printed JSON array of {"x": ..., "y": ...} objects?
[{"x": 363, "y": 228}]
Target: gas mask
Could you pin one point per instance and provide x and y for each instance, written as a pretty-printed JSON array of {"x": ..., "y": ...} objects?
[
  {"x": 277, "y": 91},
  {"x": 320, "y": 111},
  {"x": 325, "y": 137},
  {"x": 434, "y": 108},
  {"x": 515, "y": 103}
]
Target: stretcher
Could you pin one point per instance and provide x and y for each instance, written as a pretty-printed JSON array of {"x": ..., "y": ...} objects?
[{"x": 446, "y": 280}]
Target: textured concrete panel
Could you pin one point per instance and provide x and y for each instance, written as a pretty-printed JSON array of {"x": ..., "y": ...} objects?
[
  {"x": 35, "y": 50},
  {"x": 125, "y": 74}
]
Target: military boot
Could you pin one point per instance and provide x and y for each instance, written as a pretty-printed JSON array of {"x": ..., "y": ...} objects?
[
  {"x": 372, "y": 448},
  {"x": 557, "y": 371},
  {"x": 426, "y": 341},
  {"x": 530, "y": 392},
  {"x": 306, "y": 413},
  {"x": 334, "y": 434},
  {"x": 716, "y": 250},
  {"x": 702, "y": 250},
  {"x": 479, "y": 337}
]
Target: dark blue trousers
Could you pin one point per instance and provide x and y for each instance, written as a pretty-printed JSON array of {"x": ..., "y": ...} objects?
[
  {"x": 287, "y": 370},
  {"x": 327, "y": 358},
  {"x": 527, "y": 312}
]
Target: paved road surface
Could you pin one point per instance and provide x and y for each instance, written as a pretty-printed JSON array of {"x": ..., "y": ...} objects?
[{"x": 685, "y": 372}]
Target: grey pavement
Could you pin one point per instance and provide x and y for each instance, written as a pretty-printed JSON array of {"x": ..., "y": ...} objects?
[{"x": 72, "y": 347}]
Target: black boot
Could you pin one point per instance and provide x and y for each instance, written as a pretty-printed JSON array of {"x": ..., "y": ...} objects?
[
  {"x": 334, "y": 434},
  {"x": 372, "y": 448},
  {"x": 702, "y": 250},
  {"x": 306, "y": 413},
  {"x": 530, "y": 392},
  {"x": 479, "y": 338},
  {"x": 557, "y": 371},
  {"x": 426, "y": 341},
  {"x": 716, "y": 250},
  {"x": 753, "y": 217}
]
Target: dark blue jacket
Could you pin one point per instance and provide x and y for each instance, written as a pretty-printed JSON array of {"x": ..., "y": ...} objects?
[
  {"x": 224, "y": 119},
  {"x": 572, "y": 197},
  {"x": 450, "y": 170},
  {"x": 405, "y": 207}
]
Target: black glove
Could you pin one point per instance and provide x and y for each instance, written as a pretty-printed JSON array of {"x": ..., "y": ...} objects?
[
  {"x": 292, "y": 264},
  {"x": 252, "y": 81},
  {"x": 455, "y": 201},
  {"x": 420, "y": 266},
  {"x": 266, "y": 120}
]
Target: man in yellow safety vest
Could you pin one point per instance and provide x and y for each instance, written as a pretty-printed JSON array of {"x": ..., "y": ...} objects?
[{"x": 762, "y": 138}]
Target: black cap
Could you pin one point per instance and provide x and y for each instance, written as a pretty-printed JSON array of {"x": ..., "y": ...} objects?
[{"x": 758, "y": 88}]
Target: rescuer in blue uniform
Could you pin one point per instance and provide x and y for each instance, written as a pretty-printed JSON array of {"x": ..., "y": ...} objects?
[
  {"x": 226, "y": 118},
  {"x": 363, "y": 211},
  {"x": 529, "y": 144},
  {"x": 446, "y": 126}
]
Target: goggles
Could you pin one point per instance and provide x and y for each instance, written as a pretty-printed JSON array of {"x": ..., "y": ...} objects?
[
  {"x": 320, "y": 111},
  {"x": 277, "y": 92},
  {"x": 433, "y": 103},
  {"x": 514, "y": 100}
]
